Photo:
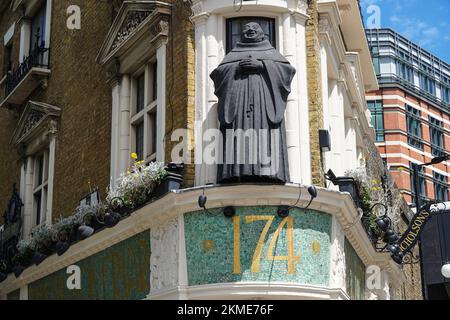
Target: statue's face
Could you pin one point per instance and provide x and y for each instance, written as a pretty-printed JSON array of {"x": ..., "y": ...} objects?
[{"x": 252, "y": 33}]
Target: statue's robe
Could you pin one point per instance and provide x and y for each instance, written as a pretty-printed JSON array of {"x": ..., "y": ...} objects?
[{"x": 253, "y": 101}]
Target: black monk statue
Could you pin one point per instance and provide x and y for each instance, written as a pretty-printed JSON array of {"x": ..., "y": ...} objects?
[{"x": 253, "y": 83}]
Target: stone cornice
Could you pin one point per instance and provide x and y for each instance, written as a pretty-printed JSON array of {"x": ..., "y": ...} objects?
[{"x": 173, "y": 204}]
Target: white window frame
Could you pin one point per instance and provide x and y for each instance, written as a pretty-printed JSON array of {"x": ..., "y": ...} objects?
[
  {"x": 29, "y": 187},
  {"x": 31, "y": 8},
  {"x": 144, "y": 116},
  {"x": 41, "y": 188}
]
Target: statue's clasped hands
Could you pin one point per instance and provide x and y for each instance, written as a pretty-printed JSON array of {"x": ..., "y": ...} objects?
[{"x": 251, "y": 65}]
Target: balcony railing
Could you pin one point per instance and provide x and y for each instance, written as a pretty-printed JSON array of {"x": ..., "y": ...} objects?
[{"x": 38, "y": 58}]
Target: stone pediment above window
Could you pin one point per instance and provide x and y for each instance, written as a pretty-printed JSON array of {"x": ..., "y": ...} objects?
[
  {"x": 38, "y": 121},
  {"x": 136, "y": 23}
]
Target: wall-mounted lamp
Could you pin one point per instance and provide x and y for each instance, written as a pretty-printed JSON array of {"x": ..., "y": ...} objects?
[
  {"x": 284, "y": 211},
  {"x": 228, "y": 212}
]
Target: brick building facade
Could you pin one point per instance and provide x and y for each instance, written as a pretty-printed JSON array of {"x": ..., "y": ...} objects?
[{"x": 411, "y": 115}]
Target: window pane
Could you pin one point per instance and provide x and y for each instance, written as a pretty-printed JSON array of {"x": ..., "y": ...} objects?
[
  {"x": 140, "y": 140},
  {"x": 440, "y": 187},
  {"x": 7, "y": 59},
  {"x": 436, "y": 136},
  {"x": 38, "y": 28},
  {"x": 422, "y": 183},
  {"x": 414, "y": 127},
  {"x": 377, "y": 116},
  {"x": 40, "y": 170},
  {"x": 37, "y": 208},
  {"x": 235, "y": 26},
  {"x": 152, "y": 148},
  {"x": 140, "y": 93},
  {"x": 155, "y": 83}
]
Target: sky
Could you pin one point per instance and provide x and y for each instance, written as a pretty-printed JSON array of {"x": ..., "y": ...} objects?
[{"x": 425, "y": 22}]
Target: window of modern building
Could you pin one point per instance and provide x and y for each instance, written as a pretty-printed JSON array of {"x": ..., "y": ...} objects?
[
  {"x": 440, "y": 187},
  {"x": 422, "y": 183},
  {"x": 40, "y": 187},
  {"x": 405, "y": 71},
  {"x": 445, "y": 93},
  {"x": 427, "y": 84},
  {"x": 413, "y": 123},
  {"x": 143, "y": 120},
  {"x": 436, "y": 137},
  {"x": 376, "y": 59},
  {"x": 376, "y": 109},
  {"x": 235, "y": 26}
]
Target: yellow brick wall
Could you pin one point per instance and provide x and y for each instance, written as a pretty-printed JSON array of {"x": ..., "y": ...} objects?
[{"x": 314, "y": 91}]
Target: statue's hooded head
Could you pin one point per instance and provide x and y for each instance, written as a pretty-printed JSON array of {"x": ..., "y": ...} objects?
[{"x": 252, "y": 32}]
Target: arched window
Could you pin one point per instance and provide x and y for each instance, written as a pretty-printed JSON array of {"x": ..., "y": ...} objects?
[{"x": 235, "y": 26}]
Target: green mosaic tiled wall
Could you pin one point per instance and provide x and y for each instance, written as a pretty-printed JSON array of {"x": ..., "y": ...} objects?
[
  {"x": 355, "y": 273},
  {"x": 221, "y": 250},
  {"x": 121, "y": 272}
]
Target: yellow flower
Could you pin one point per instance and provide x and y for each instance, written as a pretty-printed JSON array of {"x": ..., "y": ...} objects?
[{"x": 134, "y": 156}]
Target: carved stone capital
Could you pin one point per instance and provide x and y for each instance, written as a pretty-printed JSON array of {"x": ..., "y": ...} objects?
[
  {"x": 324, "y": 25},
  {"x": 113, "y": 72},
  {"x": 160, "y": 32}
]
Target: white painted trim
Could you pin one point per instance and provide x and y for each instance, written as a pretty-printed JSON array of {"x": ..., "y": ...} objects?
[
  {"x": 251, "y": 291},
  {"x": 404, "y": 144},
  {"x": 404, "y": 156},
  {"x": 172, "y": 205},
  {"x": 124, "y": 124},
  {"x": 115, "y": 130},
  {"x": 303, "y": 105},
  {"x": 28, "y": 199},
  {"x": 161, "y": 53},
  {"x": 51, "y": 178},
  {"x": 412, "y": 104}
]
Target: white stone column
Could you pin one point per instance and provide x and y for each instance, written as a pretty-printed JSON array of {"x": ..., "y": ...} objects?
[
  {"x": 337, "y": 257},
  {"x": 211, "y": 115},
  {"x": 302, "y": 92},
  {"x": 28, "y": 201},
  {"x": 161, "y": 53},
  {"x": 325, "y": 94},
  {"x": 51, "y": 176},
  {"x": 22, "y": 185},
  {"x": 124, "y": 141},
  {"x": 201, "y": 80},
  {"x": 292, "y": 107},
  {"x": 379, "y": 279},
  {"x": 115, "y": 132},
  {"x": 350, "y": 144},
  {"x": 337, "y": 128}
]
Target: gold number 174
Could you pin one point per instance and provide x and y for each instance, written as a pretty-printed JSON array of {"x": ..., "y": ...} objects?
[{"x": 291, "y": 258}]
